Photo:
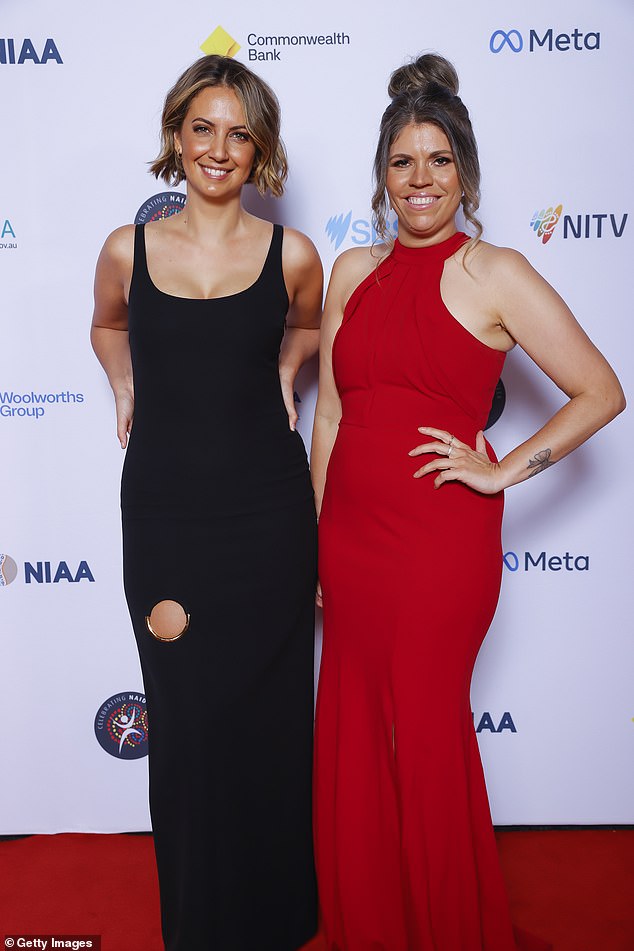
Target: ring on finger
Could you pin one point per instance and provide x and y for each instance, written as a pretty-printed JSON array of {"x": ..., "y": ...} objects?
[{"x": 449, "y": 450}]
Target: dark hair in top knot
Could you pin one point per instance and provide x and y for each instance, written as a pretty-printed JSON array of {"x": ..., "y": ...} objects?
[
  {"x": 426, "y": 91},
  {"x": 428, "y": 69}
]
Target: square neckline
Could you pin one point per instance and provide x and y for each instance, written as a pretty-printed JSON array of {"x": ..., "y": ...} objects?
[{"x": 204, "y": 300}]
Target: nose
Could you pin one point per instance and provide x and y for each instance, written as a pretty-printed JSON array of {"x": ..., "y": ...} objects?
[
  {"x": 421, "y": 175},
  {"x": 218, "y": 148}
]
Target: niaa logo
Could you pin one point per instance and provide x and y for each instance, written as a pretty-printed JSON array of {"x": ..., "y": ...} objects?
[
  {"x": 362, "y": 231},
  {"x": 43, "y": 572},
  {"x": 160, "y": 206},
  {"x": 27, "y": 52},
  {"x": 6, "y": 234},
  {"x": 121, "y": 725},
  {"x": 562, "y": 42},
  {"x": 8, "y": 570},
  {"x": 486, "y": 722}
]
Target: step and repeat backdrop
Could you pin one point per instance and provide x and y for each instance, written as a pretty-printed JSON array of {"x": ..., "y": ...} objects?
[{"x": 81, "y": 91}]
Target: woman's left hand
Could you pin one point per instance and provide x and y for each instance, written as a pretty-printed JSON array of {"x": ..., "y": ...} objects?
[
  {"x": 457, "y": 462},
  {"x": 287, "y": 384}
]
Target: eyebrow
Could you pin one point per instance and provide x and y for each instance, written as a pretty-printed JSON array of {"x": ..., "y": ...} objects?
[
  {"x": 431, "y": 154},
  {"x": 233, "y": 128}
]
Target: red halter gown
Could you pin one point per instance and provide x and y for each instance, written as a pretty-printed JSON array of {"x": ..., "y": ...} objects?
[{"x": 406, "y": 855}]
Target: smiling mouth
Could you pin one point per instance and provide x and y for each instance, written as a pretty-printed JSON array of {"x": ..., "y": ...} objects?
[
  {"x": 421, "y": 200},
  {"x": 215, "y": 173}
]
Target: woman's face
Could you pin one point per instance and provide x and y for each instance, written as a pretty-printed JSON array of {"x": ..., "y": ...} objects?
[
  {"x": 422, "y": 184},
  {"x": 217, "y": 150}
]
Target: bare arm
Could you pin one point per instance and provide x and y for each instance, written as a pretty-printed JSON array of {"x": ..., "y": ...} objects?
[
  {"x": 540, "y": 322},
  {"x": 109, "y": 331},
  {"x": 304, "y": 279}
]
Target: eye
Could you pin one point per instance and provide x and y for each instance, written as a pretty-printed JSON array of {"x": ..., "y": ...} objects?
[
  {"x": 442, "y": 160},
  {"x": 200, "y": 128},
  {"x": 399, "y": 163},
  {"x": 241, "y": 136}
]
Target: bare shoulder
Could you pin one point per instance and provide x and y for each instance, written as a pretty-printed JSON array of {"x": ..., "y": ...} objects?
[
  {"x": 352, "y": 267},
  {"x": 298, "y": 251},
  {"x": 487, "y": 262},
  {"x": 118, "y": 250}
]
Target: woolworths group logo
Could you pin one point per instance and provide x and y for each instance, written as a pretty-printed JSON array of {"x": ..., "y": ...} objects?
[{"x": 220, "y": 43}]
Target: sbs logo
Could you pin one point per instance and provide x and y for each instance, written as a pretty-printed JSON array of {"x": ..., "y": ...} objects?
[
  {"x": 362, "y": 231},
  {"x": 121, "y": 725},
  {"x": 549, "y": 41}
]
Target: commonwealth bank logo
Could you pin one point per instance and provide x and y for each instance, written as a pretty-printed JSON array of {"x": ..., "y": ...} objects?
[
  {"x": 220, "y": 43},
  {"x": 545, "y": 221}
]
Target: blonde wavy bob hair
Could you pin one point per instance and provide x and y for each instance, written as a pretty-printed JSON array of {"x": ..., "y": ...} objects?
[{"x": 262, "y": 119}]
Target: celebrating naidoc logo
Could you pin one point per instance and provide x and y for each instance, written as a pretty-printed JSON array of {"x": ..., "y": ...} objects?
[
  {"x": 121, "y": 725},
  {"x": 160, "y": 206}
]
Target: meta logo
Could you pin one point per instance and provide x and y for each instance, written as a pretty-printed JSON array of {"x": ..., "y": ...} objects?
[
  {"x": 121, "y": 725},
  {"x": 562, "y": 42},
  {"x": 43, "y": 572},
  {"x": 220, "y": 43},
  {"x": 526, "y": 562},
  {"x": 160, "y": 206},
  {"x": 597, "y": 225},
  {"x": 362, "y": 232},
  {"x": 486, "y": 722},
  {"x": 19, "y": 52}
]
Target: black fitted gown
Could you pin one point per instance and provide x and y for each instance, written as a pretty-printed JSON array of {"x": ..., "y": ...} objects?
[{"x": 218, "y": 516}]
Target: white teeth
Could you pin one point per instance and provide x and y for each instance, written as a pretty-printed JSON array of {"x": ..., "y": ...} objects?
[
  {"x": 215, "y": 172},
  {"x": 421, "y": 200}
]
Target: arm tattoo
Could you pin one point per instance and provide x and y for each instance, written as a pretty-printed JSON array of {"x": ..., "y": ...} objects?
[{"x": 540, "y": 462}]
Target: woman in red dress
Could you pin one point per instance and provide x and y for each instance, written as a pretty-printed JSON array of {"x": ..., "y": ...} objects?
[{"x": 413, "y": 342}]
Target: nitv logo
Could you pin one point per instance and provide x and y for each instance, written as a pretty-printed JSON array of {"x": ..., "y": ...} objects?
[
  {"x": 545, "y": 221},
  {"x": 527, "y": 561},
  {"x": 362, "y": 231},
  {"x": 18, "y": 52},
  {"x": 514, "y": 41},
  {"x": 585, "y": 225}
]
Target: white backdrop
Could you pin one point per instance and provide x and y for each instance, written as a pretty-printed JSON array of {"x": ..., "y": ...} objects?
[{"x": 80, "y": 105}]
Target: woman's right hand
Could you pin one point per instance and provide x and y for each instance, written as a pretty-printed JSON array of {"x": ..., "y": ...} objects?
[
  {"x": 318, "y": 596},
  {"x": 124, "y": 405}
]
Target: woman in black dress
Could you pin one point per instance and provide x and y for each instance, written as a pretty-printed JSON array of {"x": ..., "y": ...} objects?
[{"x": 201, "y": 324}]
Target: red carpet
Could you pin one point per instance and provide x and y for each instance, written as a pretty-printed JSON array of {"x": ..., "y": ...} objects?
[{"x": 574, "y": 888}]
